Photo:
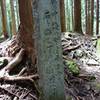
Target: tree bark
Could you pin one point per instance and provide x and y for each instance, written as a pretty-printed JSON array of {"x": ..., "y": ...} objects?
[
  {"x": 26, "y": 29},
  {"x": 17, "y": 13},
  {"x": 97, "y": 18},
  {"x": 92, "y": 17},
  {"x": 86, "y": 16},
  {"x": 77, "y": 16},
  {"x": 13, "y": 26},
  {"x": 49, "y": 53},
  {"x": 72, "y": 14},
  {"x": 4, "y": 18},
  {"x": 67, "y": 16},
  {"x": 62, "y": 16}
]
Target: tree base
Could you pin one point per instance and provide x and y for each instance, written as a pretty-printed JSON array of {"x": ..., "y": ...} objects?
[{"x": 18, "y": 69}]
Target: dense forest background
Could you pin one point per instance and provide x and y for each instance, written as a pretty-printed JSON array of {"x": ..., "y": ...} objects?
[
  {"x": 9, "y": 18},
  {"x": 88, "y": 17}
]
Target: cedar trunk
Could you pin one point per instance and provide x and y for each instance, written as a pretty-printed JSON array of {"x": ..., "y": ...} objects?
[
  {"x": 68, "y": 16},
  {"x": 89, "y": 17},
  {"x": 13, "y": 26},
  {"x": 26, "y": 28},
  {"x": 86, "y": 6},
  {"x": 62, "y": 16},
  {"x": 92, "y": 17},
  {"x": 97, "y": 19},
  {"x": 77, "y": 16},
  {"x": 4, "y": 18}
]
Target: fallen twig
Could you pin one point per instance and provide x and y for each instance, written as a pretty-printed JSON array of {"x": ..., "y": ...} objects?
[
  {"x": 96, "y": 38},
  {"x": 6, "y": 90},
  {"x": 72, "y": 47},
  {"x": 19, "y": 78},
  {"x": 22, "y": 71}
]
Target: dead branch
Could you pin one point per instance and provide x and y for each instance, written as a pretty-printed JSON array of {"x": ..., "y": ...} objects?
[
  {"x": 72, "y": 47},
  {"x": 96, "y": 38},
  {"x": 67, "y": 58},
  {"x": 9, "y": 92},
  {"x": 28, "y": 93},
  {"x": 19, "y": 78},
  {"x": 33, "y": 96},
  {"x": 22, "y": 71}
]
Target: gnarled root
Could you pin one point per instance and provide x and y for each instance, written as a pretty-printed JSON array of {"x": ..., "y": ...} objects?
[
  {"x": 4, "y": 73},
  {"x": 18, "y": 58}
]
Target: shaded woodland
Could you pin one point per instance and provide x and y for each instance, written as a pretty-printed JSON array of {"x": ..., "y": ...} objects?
[{"x": 50, "y": 50}]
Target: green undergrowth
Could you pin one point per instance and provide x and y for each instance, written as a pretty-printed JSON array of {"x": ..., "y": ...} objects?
[
  {"x": 73, "y": 67},
  {"x": 98, "y": 86}
]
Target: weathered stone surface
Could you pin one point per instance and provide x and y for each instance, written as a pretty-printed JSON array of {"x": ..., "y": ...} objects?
[{"x": 49, "y": 52}]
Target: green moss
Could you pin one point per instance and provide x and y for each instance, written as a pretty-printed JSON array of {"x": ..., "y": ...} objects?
[
  {"x": 98, "y": 86},
  {"x": 69, "y": 98},
  {"x": 73, "y": 67}
]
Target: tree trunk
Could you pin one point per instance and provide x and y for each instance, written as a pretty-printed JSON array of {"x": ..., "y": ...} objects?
[
  {"x": 17, "y": 13},
  {"x": 92, "y": 17},
  {"x": 13, "y": 26},
  {"x": 67, "y": 15},
  {"x": 97, "y": 19},
  {"x": 62, "y": 16},
  {"x": 86, "y": 16},
  {"x": 4, "y": 18},
  {"x": 77, "y": 16},
  {"x": 72, "y": 4},
  {"x": 47, "y": 25},
  {"x": 26, "y": 29}
]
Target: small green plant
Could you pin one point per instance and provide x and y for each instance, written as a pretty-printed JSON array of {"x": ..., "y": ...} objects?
[
  {"x": 69, "y": 98},
  {"x": 73, "y": 67},
  {"x": 98, "y": 86}
]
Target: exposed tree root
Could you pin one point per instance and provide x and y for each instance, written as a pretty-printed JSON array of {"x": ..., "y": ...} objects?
[
  {"x": 13, "y": 62},
  {"x": 19, "y": 78},
  {"x": 18, "y": 58},
  {"x": 4, "y": 73},
  {"x": 16, "y": 68}
]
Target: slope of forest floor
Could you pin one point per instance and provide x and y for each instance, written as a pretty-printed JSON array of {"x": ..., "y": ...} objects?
[
  {"x": 18, "y": 79},
  {"x": 82, "y": 67}
]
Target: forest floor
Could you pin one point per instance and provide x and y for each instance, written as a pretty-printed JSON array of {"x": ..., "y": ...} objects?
[
  {"x": 82, "y": 67},
  {"x": 18, "y": 79}
]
